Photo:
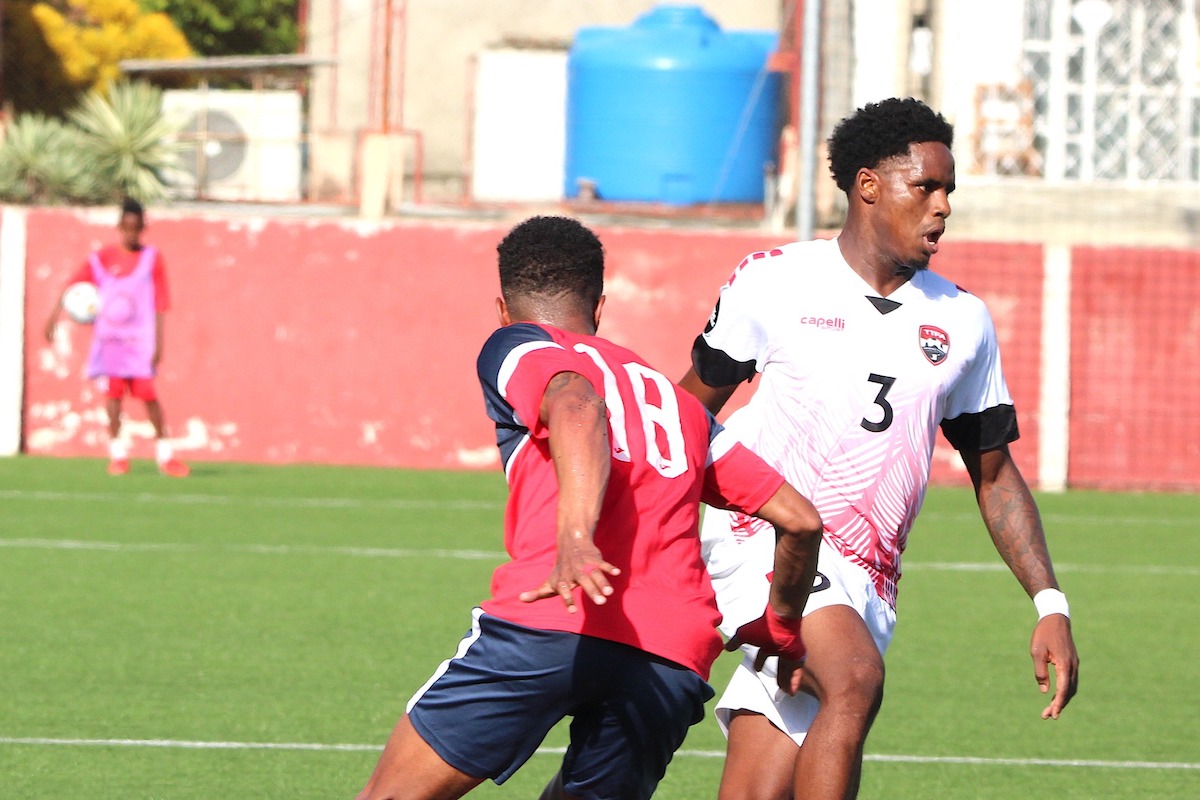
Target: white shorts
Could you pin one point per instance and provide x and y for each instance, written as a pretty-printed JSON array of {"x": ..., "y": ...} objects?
[{"x": 740, "y": 554}]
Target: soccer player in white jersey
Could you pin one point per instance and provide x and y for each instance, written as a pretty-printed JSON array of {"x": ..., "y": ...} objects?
[{"x": 863, "y": 352}]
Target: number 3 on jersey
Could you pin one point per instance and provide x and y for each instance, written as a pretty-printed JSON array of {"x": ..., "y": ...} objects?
[
  {"x": 664, "y": 417},
  {"x": 885, "y": 385}
]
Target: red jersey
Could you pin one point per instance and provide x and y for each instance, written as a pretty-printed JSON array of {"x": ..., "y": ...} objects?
[
  {"x": 120, "y": 262},
  {"x": 668, "y": 454}
]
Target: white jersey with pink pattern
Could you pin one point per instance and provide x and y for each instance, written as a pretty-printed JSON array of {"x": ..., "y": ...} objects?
[{"x": 853, "y": 389}]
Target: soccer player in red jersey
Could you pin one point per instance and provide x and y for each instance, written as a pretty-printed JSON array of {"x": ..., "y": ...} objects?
[
  {"x": 127, "y": 341},
  {"x": 604, "y": 612}
]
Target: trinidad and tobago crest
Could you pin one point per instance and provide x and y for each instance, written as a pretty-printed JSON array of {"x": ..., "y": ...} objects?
[{"x": 935, "y": 343}]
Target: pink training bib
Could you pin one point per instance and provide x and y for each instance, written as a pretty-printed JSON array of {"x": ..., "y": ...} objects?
[{"x": 123, "y": 340}]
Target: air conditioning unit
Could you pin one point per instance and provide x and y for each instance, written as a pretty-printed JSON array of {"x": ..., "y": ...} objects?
[{"x": 238, "y": 145}]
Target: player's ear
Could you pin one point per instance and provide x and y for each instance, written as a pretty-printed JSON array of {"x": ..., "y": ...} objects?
[
  {"x": 502, "y": 312},
  {"x": 599, "y": 309},
  {"x": 866, "y": 183}
]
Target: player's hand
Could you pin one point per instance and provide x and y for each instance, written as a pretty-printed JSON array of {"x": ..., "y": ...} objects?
[
  {"x": 580, "y": 565},
  {"x": 789, "y": 675},
  {"x": 775, "y": 635},
  {"x": 1052, "y": 644}
]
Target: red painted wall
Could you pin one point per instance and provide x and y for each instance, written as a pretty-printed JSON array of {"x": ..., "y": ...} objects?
[
  {"x": 351, "y": 342},
  {"x": 1135, "y": 369},
  {"x": 1008, "y": 277},
  {"x": 335, "y": 341},
  {"x": 290, "y": 340}
]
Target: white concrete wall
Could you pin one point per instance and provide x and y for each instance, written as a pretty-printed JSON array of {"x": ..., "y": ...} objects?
[
  {"x": 881, "y": 33},
  {"x": 519, "y": 141},
  {"x": 12, "y": 327}
]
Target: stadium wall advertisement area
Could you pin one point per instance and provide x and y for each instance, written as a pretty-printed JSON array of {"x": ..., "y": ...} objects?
[{"x": 349, "y": 342}]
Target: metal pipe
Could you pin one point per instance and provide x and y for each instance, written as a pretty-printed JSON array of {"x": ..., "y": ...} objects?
[
  {"x": 386, "y": 87},
  {"x": 810, "y": 117},
  {"x": 373, "y": 76},
  {"x": 418, "y": 163},
  {"x": 468, "y": 173},
  {"x": 385, "y": 94},
  {"x": 795, "y": 22},
  {"x": 335, "y": 28},
  {"x": 400, "y": 15}
]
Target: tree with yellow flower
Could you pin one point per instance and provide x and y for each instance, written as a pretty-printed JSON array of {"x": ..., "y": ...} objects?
[{"x": 57, "y": 50}]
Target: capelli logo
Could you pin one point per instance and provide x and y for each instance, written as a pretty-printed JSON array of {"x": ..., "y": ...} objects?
[{"x": 829, "y": 323}]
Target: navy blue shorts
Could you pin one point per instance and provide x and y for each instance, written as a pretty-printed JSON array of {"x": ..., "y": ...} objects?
[{"x": 486, "y": 710}]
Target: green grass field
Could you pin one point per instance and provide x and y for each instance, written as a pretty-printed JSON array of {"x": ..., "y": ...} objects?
[{"x": 255, "y": 631}]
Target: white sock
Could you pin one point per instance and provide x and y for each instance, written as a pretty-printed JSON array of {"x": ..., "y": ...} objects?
[
  {"x": 163, "y": 451},
  {"x": 118, "y": 450}
]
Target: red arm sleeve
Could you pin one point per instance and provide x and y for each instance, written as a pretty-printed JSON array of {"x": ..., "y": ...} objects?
[
  {"x": 528, "y": 384},
  {"x": 162, "y": 297},
  {"x": 739, "y": 480}
]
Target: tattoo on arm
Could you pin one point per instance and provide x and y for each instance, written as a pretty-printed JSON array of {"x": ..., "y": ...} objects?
[
  {"x": 1012, "y": 519},
  {"x": 558, "y": 383}
]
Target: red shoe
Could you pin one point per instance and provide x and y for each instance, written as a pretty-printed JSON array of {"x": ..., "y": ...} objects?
[
  {"x": 174, "y": 468},
  {"x": 118, "y": 466}
]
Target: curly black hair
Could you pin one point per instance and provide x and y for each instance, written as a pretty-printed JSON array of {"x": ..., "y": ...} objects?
[
  {"x": 550, "y": 257},
  {"x": 131, "y": 206},
  {"x": 878, "y": 131}
]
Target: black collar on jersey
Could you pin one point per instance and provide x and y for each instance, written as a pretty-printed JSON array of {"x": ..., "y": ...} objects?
[{"x": 883, "y": 305}]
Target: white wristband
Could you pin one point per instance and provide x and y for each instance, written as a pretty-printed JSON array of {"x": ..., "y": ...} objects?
[{"x": 1051, "y": 601}]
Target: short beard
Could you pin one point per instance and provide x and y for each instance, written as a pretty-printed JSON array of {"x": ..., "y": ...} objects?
[{"x": 906, "y": 271}]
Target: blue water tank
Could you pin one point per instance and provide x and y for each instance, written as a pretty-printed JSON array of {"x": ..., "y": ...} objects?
[{"x": 671, "y": 109}]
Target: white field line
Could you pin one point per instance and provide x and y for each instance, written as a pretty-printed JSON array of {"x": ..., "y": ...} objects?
[
  {"x": 1031, "y": 762},
  {"x": 497, "y": 556},
  {"x": 1105, "y": 569},
  {"x": 184, "y": 744},
  {"x": 238, "y": 500},
  {"x": 1051, "y": 520},
  {"x": 474, "y": 505},
  {"x": 266, "y": 549}
]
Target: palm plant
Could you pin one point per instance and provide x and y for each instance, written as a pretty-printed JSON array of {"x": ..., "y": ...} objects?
[
  {"x": 41, "y": 162},
  {"x": 128, "y": 140}
]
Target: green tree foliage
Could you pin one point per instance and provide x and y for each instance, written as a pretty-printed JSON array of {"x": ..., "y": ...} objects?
[
  {"x": 56, "y": 50},
  {"x": 233, "y": 27},
  {"x": 35, "y": 78}
]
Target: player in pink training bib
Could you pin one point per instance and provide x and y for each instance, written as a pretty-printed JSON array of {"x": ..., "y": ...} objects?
[
  {"x": 127, "y": 337},
  {"x": 863, "y": 353},
  {"x": 604, "y": 611}
]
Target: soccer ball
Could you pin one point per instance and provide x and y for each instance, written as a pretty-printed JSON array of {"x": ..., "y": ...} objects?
[{"x": 81, "y": 301}]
